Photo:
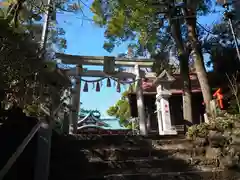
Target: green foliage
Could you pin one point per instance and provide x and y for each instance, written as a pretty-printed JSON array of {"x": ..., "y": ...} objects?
[
  {"x": 126, "y": 20},
  {"x": 197, "y": 131},
  {"x": 24, "y": 75},
  {"x": 24, "y": 16},
  {"x": 138, "y": 20},
  {"x": 32, "y": 110},
  {"x": 121, "y": 110},
  {"x": 220, "y": 45},
  {"x": 221, "y": 123}
]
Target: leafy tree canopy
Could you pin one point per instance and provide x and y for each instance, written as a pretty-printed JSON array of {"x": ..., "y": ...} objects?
[
  {"x": 141, "y": 21},
  {"x": 121, "y": 110}
]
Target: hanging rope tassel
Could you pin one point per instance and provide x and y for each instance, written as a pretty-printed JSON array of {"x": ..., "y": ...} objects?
[
  {"x": 118, "y": 87},
  {"x": 108, "y": 82},
  {"x": 98, "y": 87},
  {"x": 85, "y": 88}
]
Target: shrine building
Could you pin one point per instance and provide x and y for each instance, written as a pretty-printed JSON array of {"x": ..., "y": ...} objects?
[
  {"x": 174, "y": 99},
  {"x": 93, "y": 124}
]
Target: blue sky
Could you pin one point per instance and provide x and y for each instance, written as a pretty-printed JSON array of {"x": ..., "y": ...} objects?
[{"x": 85, "y": 38}]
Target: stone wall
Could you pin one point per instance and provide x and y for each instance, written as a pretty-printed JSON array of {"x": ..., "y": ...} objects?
[{"x": 219, "y": 140}]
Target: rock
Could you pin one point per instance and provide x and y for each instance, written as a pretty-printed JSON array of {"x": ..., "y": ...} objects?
[
  {"x": 227, "y": 134},
  {"x": 235, "y": 147},
  {"x": 200, "y": 141},
  {"x": 229, "y": 162},
  {"x": 236, "y": 131},
  {"x": 230, "y": 150},
  {"x": 236, "y": 124},
  {"x": 213, "y": 153},
  {"x": 216, "y": 139},
  {"x": 198, "y": 151},
  {"x": 235, "y": 140}
]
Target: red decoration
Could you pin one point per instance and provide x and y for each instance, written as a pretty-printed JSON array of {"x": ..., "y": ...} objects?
[
  {"x": 118, "y": 87},
  {"x": 166, "y": 108},
  {"x": 98, "y": 87},
  {"x": 147, "y": 85}
]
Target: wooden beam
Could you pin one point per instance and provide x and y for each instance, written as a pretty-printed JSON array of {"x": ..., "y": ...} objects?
[
  {"x": 98, "y": 73},
  {"x": 99, "y": 60}
]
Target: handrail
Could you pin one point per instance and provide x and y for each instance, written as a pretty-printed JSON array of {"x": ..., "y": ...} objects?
[
  {"x": 19, "y": 150},
  {"x": 25, "y": 142}
]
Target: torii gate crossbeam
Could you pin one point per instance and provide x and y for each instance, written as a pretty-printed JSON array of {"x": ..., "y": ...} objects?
[{"x": 109, "y": 64}]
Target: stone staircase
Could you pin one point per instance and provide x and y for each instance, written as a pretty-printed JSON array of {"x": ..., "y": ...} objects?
[{"x": 129, "y": 157}]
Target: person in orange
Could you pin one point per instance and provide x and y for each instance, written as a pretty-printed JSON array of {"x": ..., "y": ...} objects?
[
  {"x": 218, "y": 95},
  {"x": 219, "y": 98}
]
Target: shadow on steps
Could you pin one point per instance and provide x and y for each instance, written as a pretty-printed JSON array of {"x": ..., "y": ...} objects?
[{"x": 112, "y": 157}]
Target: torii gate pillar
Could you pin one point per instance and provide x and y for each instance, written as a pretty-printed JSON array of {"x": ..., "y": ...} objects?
[
  {"x": 75, "y": 102},
  {"x": 140, "y": 102}
]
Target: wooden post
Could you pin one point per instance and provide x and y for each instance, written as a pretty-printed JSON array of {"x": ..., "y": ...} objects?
[
  {"x": 76, "y": 101},
  {"x": 140, "y": 102}
]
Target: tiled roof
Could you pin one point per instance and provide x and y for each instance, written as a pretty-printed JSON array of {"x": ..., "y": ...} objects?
[{"x": 176, "y": 86}]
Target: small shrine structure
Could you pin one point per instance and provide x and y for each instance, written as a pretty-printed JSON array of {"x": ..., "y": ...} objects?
[{"x": 164, "y": 105}]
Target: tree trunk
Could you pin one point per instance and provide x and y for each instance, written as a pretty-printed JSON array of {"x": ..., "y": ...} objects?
[
  {"x": 184, "y": 71},
  {"x": 199, "y": 61},
  {"x": 187, "y": 94}
]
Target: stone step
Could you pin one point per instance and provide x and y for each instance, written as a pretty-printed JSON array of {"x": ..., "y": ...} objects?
[
  {"x": 172, "y": 144},
  {"x": 101, "y": 168},
  {"x": 111, "y": 141},
  {"x": 206, "y": 173},
  {"x": 86, "y": 141},
  {"x": 128, "y": 153},
  {"x": 126, "y": 150},
  {"x": 100, "y": 143},
  {"x": 190, "y": 175}
]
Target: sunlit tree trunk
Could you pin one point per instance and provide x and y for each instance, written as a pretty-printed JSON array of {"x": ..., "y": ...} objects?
[
  {"x": 184, "y": 70},
  {"x": 190, "y": 14}
]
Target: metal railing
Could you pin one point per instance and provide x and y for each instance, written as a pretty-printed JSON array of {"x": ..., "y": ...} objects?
[
  {"x": 19, "y": 150},
  {"x": 26, "y": 141}
]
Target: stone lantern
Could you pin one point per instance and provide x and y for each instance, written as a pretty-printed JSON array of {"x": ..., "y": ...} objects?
[{"x": 163, "y": 82}]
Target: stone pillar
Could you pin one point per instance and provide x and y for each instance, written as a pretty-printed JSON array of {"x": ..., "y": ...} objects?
[
  {"x": 162, "y": 83},
  {"x": 75, "y": 101},
  {"x": 140, "y": 102}
]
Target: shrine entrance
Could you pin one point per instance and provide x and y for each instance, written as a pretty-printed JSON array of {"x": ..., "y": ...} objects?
[{"x": 111, "y": 73}]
